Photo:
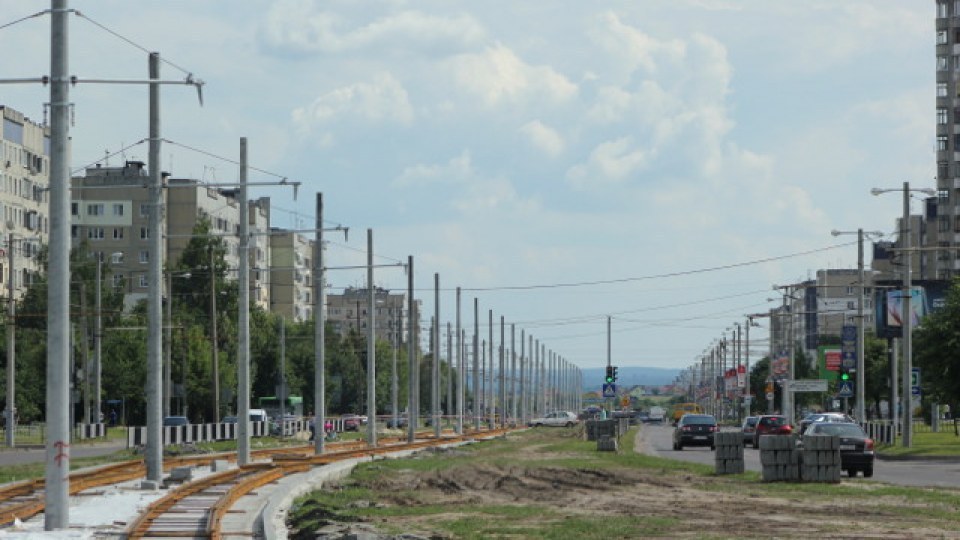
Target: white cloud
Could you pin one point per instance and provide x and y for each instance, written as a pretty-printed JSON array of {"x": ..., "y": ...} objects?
[
  {"x": 383, "y": 99},
  {"x": 632, "y": 48},
  {"x": 457, "y": 170},
  {"x": 611, "y": 161},
  {"x": 298, "y": 27},
  {"x": 498, "y": 76},
  {"x": 543, "y": 137}
]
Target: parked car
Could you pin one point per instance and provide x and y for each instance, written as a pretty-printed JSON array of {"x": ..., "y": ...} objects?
[
  {"x": 351, "y": 422},
  {"x": 695, "y": 430},
  {"x": 400, "y": 421},
  {"x": 856, "y": 449},
  {"x": 822, "y": 417},
  {"x": 771, "y": 424},
  {"x": 748, "y": 428},
  {"x": 555, "y": 419},
  {"x": 175, "y": 421}
]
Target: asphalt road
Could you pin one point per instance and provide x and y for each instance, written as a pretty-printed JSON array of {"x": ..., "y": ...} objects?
[
  {"x": 20, "y": 456},
  {"x": 657, "y": 440}
]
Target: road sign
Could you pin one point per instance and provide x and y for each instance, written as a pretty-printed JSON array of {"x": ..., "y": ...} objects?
[
  {"x": 609, "y": 390},
  {"x": 915, "y": 381},
  {"x": 807, "y": 385},
  {"x": 848, "y": 347},
  {"x": 625, "y": 401},
  {"x": 845, "y": 389}
]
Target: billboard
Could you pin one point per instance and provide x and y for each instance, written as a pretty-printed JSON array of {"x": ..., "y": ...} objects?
[{"x": 926, "y": 297}]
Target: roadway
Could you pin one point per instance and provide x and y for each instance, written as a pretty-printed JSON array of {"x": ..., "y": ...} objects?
[{"x": 657, "y": 440}]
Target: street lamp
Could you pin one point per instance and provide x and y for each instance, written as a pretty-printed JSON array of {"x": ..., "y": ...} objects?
[
  {"x": 906, "y": 314},
  {"x": 861, "y": 344}
]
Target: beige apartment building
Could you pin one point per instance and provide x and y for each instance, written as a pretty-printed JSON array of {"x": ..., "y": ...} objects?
[
  {"x": 291, "y": 275},
  {"x": 348, "y": 312},
  {"x": 24, "y": 196}
]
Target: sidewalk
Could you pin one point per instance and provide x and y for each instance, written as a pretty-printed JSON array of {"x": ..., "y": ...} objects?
[{"x": 21, "y": 455}]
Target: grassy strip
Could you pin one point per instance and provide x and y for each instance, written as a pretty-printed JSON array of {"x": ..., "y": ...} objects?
[{"x": 944, "y": 443}]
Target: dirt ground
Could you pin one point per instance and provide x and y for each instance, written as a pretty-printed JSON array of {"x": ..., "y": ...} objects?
[{"x": 703, "y": 506}]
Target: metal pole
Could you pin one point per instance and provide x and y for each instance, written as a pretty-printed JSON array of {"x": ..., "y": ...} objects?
[
  {"x": 393, "y": 378},
  {"x": 411, "y": 355},
  {"x": 371, "y": 349},
  {"x": 448, "y": 409},
  {"x": 57, "y": 480},
  {"x": 11, "y": 411},
  {"x": 907, "y": 396},
  {"x": 283, "y": 378},
  {"x": 319, "y": 337},
  {"x": 746, "y": 362},
  {"x": 154, "y": 452},
  {"x": 491, "y": 406},
  {"x": 243, "y": 330},
  {"x": 97, "y": 341},
  {"x": 861, "y": 343},
  {"x": 168, "y": 338},
  {"x": 513, "y": 372},
  {"x": 523, "y": 381}
]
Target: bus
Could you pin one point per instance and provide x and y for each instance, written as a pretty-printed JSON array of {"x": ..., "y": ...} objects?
[{"x": 271, "y": 404}]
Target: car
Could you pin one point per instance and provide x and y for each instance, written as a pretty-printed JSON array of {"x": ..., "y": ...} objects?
[
  {"x": 748, "y": 428},
  {"x": 555, "y": 419},
  {"x": 400, "y": 421},
  {"x": 229, "y": 420},
  {"x": 695, "y": 430},
  {"x": 822, "y": 417},
  {"x": 173, "y": 421},
  {"x": 771, "y": 424},
  {"x": 856, "y": 448},
  {"x": 351, "y": 422}
]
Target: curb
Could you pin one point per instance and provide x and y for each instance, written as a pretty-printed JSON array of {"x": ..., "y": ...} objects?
[{"x": 883, "y": 457}]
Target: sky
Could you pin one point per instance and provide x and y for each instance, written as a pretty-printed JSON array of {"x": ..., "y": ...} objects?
[{"x": 664, "y": 163}]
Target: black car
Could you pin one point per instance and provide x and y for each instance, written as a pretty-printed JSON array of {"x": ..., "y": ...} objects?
[
  {"x": 694, "y": 430},
  {"x": 856, "y": 449}
]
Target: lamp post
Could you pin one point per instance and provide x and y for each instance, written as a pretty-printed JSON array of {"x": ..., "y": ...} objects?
[
  {"x": 906, "y": 310},
  {"x": 861, "y": 343}
]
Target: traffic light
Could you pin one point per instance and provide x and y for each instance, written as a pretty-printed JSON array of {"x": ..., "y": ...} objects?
[
  {"x": 614, "y": 373},
  {"x": 844, "y": 375},
  {"x": 611, "y": 374}
]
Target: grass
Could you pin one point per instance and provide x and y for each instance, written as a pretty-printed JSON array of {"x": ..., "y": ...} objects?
[
  {"x": 925, "y": 444},
  {"x": 476, "y": 519}
]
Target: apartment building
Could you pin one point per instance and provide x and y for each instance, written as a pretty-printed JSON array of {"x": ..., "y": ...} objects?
[
  {"x": 290, "y": 275},
  {"x": 946, "y": 262},
  {"x": 348, "y": 312},
  {"x": 24, "y": 196}
]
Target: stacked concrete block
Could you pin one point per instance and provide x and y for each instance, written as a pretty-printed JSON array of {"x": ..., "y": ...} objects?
[
  {"x": 729, "y": 452},
  {"x": 779, "y": 458},
  {"x": 821, "y": 459},
  {"x": 607, "y": 443}
]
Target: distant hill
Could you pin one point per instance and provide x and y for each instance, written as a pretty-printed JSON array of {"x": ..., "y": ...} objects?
[{"x": 630, "y": 376}]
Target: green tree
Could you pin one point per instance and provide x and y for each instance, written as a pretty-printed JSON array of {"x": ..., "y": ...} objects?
[{"x": 937, "y": 350}]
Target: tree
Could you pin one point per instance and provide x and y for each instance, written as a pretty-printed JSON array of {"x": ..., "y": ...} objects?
[{"x": 936, "y": 350}]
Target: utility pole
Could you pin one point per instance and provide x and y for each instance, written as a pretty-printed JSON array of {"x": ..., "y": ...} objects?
[
  {"x": 907, "y": 394},
  {"x": 371, "y": 348},
  {"x": 213, "y": 338},
  {"x": 412, "y": 406},
  {"x": 503, "y": 381},
  {"x": 861, "y": 343},
  {"x": 154, "y": 452},
  {"x": 435, "y": 374},
  {"x": 11, "y": 410},
  {"x": 461, "y": 372},
  {"x": 476, "y": 364},
  {"x": 243, "y": 326},
  {"x": 282, "y": 394},
  {"x": 319, "y": 337},
  {"x": 513, "y": 372}
]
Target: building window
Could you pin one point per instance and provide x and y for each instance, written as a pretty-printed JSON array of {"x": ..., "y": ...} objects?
[
  {"x": 941, "y": 92},
  {"x": 144, "y": 233},
  {"x": 942, "y": 8},
  {"x": 943, "y": 223},
  {"x": 95, "y": 209},
  {"x": 116, "y": 258},
  {"x": 117, "y": 209},
  {"x": 943, "y": 196},
  {"x": 144, "y": 256},
  {"x": 851, "y": 305},
  {"x": 118, "y": 233},
  {"x": 942, "y": 37},
  {"x": 74, "y": 231},
  {"x": 941, "y": 63},
  {"x": 144, "y": 283},
  {"x": 943, "y": 169},
  {"x": 942, "y": 116},
  {"x": 942, "y": 143},
  {"x": 117, "y": 281},
  {"x": 74, "y": 209},
  {"x": 95, "y": 233},
  {"x": 145, "y": 208}
]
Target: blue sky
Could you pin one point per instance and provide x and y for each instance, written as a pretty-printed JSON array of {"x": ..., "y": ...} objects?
[{"x": 535, "y": 144}]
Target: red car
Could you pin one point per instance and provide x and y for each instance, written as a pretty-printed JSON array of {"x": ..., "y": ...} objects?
[{"x": 771, "y": 424}]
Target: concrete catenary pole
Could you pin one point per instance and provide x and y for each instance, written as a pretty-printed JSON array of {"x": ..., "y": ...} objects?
[
  {"x": 461, "y": 373},
  {"x": 861, "y": 343},
  {"x": 282, "y": 394},
  {"x": 435, "y": 371},
  {"x": 154, "y": 452},
  {"x": 448, "y": 409},
  {"x": 523, "y": 379},
  {"x": 319, "y": 337},
  {"x": 906, "y": 395},
  {"x": 491, "y": 405},
  {"x": 371, "y": 348},
  {"x": 167, "y": 338},
  {"x": 513, "y": 372},
  {"x": 97, "y": 342},
  {"x": 243, "y": 326},
  {"x": 411, "y": 355},
  {"x": 476, "y": 364},
  {"x": 215, "y": 358},
  {"x": 503, "y": 380},
  {"x": 11, "y": 409},
  {"x": 57, "y": 466}
]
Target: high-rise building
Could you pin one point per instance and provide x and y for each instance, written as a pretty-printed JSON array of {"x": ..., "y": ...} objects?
[
  {"x": 945, "y": 263},
  {"x": 24, "y": 196}
]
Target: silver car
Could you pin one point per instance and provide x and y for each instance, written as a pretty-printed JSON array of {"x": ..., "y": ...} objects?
[{"x": 556, "y": 419}]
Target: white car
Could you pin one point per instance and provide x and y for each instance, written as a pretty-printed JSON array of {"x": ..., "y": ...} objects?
[{"x": 556, "y": 419}]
